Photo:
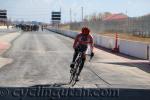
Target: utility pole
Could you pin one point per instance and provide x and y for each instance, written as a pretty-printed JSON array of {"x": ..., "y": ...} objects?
[
  {"x": 126, "y": 12},
  {"x": 60, "y": 20},
  {"x": 70, "y": 15},
  {"x": 60, "y": 9},
  {"x": 82, "y": 13},
  {"x": 127, "y": 28}
]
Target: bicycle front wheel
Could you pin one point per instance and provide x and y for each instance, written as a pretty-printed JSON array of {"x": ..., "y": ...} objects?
[
  {"x": 74, "y": 80},
  {"x": 71, "y": 78}
]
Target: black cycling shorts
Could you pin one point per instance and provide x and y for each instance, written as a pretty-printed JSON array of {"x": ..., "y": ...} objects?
[{"x": 81, "y": 48}]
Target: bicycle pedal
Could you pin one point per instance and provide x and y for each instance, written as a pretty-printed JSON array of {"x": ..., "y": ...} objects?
[
  {"x": 71, "y": 70},
  {"x": 77, "y": 80}
]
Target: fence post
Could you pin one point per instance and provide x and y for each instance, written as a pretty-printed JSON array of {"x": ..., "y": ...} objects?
[{"x": 148, "y": 49}]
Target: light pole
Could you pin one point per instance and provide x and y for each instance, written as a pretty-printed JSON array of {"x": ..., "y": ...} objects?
[
  {"x": 82, "y": 13},
  {"x": 70, "y": 15}
]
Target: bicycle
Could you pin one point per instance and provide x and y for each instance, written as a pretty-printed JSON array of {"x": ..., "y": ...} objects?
[{"x": 74, "y": 71}]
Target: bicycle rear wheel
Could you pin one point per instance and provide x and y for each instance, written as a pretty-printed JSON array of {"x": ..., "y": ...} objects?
[{"x": 74, "y": 80}]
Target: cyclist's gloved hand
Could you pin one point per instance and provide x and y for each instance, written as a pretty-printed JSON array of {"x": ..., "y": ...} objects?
[
  {"x": 92, "y": 54},
  {"x": 76, "y": 49}
]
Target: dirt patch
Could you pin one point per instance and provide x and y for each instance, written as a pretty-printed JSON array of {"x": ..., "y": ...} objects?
[{"x": 4, "y": 46}]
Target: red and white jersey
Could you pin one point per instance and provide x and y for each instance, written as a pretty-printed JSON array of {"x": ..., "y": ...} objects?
[{"x": 83, "y": 40}]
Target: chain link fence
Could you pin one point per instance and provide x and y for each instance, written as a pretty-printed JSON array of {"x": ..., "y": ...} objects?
[{"x": 139, "y": 26}]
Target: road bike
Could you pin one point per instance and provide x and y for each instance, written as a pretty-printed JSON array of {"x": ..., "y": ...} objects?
[{"x": 75, "y": 71}]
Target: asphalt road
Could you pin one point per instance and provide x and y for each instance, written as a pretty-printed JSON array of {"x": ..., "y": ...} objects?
[
  {"x": 40, "y": 58},
  {"x": 44, "y": 58}
]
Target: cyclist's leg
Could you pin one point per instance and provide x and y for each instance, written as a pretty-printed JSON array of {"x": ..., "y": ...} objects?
[
  {"x": 84, "y": 48},
  {"x": 74, "y": 58},
  {"x": 80, "y": 68},
  {"x": 82, "y": 64}
]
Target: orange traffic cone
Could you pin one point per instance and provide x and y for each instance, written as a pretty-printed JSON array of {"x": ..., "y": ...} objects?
[{"x": 116, "y": 49}]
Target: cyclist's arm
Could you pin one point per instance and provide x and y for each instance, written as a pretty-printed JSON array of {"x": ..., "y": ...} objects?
[
  {"x": 76, "y": 41},
  {"x": 91, "y": 43}
]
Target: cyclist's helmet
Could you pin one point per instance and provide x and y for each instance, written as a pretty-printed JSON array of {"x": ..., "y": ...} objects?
[{"x": 85, "y": 30}]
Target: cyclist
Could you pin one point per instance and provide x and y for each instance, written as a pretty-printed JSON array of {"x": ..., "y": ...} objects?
[{"x": 81, "y": 43}]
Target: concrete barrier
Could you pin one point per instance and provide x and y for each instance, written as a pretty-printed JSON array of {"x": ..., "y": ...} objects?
[
  {"x": 65, "y": 32},
  {"x": 103, "y": 41},
  {"x": 131, "y": 48},
  {"x": 107, "y": 42},
  {"x": 69, "y": 33}
]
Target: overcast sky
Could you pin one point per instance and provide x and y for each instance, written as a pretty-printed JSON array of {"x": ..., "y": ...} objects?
[{"x": 40, "y": 10}]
